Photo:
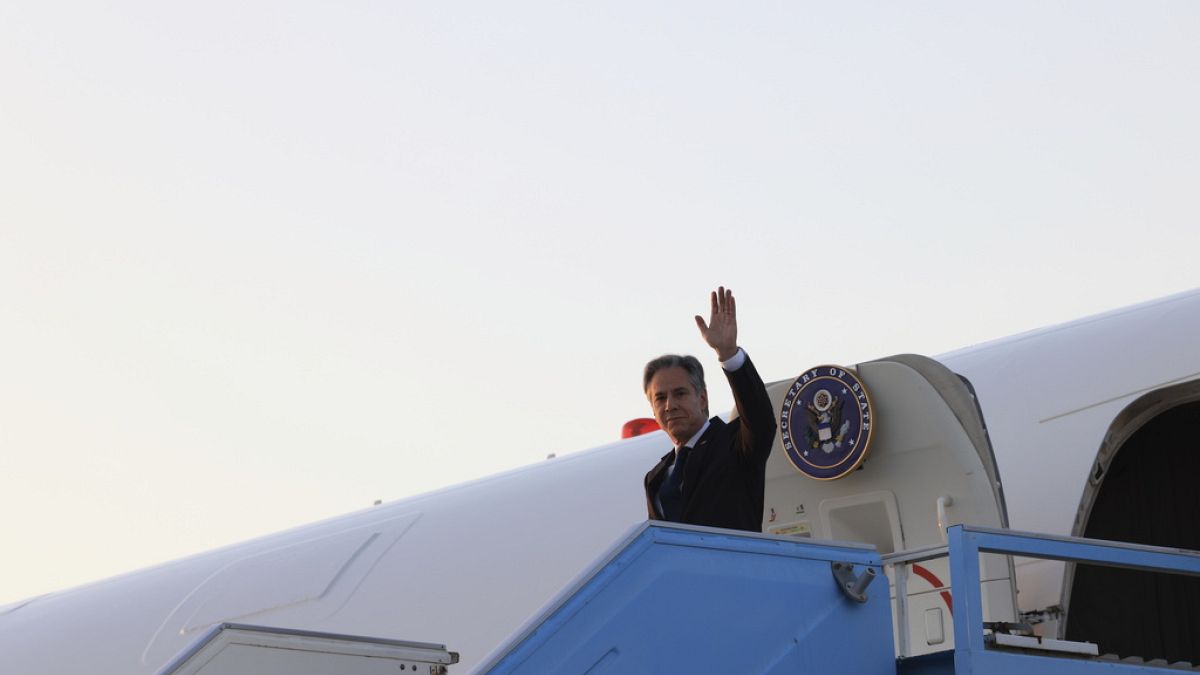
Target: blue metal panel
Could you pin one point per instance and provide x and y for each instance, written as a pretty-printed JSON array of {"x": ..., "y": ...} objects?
[{"x": 680, "y": 599}]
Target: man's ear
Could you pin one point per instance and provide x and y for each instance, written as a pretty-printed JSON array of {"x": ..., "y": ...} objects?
[{"x": 704, "y": 402}]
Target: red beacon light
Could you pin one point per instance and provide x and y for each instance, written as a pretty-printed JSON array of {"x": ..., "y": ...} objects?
[{"x": 639, "y": 426}]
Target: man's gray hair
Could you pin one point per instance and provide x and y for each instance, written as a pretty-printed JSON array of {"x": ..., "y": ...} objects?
[{"x": 690, "y": 364}]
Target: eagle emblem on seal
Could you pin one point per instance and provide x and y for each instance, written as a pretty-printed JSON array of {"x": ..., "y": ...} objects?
[{"x": 824, "y": 416}]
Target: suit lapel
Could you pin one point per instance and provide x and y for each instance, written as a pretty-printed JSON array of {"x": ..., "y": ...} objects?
[
  {"x": 699, "y": 459},
  {"x": 656, "y": 474},
  {"x": 653, "y": 479}
]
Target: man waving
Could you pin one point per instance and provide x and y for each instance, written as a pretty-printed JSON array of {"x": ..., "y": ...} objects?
[{"x": 716, "y": 472}]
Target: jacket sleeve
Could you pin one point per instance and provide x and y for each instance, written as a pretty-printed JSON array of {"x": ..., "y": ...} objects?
[{"x": 757, "y": 429}]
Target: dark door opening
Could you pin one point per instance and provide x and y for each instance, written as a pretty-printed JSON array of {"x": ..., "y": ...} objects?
[{"x": 1150, "y": 494}]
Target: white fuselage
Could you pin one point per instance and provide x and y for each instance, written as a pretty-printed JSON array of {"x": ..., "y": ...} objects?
[{"x": 466, "y": 566}]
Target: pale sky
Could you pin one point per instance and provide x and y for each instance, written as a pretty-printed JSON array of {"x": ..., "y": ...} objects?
[{"x": 265, "y": 263}]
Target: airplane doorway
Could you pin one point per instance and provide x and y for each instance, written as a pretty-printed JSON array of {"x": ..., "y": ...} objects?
[{"x": 1148, "y": 494}]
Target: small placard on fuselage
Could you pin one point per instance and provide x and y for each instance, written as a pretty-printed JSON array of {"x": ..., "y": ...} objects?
[{"x": 797, "y": 529}]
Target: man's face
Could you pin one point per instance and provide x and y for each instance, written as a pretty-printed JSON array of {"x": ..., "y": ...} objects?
[{"x": 677, "y": 406}]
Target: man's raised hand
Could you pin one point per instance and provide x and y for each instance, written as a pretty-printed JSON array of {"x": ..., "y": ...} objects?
[{"x": 721, "y": 330}]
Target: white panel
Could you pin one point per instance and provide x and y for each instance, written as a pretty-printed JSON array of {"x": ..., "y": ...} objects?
[
  {"x": 273, "y": 579},
  {"x": 313, "y": 576},
  {"x": 255, "y": 650},
  {"x": 253, "y": 660},
  {"x": 935, "y": 627}
]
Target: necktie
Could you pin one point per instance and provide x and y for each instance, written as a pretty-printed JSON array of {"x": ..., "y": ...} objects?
[{"x": 670, "y": 492}]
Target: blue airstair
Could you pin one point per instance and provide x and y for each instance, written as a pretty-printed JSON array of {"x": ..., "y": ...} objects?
[{"x": 681, "y": 599}]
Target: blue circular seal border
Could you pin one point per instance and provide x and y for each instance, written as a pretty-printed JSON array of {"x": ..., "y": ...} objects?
[{"x": 826, "y": 422}]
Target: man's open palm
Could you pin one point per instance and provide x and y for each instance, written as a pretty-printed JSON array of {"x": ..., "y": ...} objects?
[{"x": 721, "y": 330}]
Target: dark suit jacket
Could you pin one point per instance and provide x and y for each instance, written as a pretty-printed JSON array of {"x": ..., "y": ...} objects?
[{"x": 726, "y": 471}]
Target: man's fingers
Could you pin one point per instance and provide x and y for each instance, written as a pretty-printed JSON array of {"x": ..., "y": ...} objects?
[
  {"x": 701, "y": 325},
  {"x": 722, "y": 301}
]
